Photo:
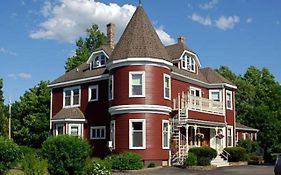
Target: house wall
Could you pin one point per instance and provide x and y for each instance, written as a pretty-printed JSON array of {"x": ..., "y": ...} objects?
[
  {"x": 154, "y": 90},
  {"x": 230, "y": 116},
  {"x": 153, "y": 149},
  {"x": 96, "y": 113},
  {"x": 240, "y": 132}
]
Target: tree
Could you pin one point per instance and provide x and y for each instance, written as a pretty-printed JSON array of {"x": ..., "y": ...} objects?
[
  {"x": 3, "y": 113},
  {"x": 94, "y": 40},
  {"x": 258, "y": 103},
  {"x": 31, "y": 116}
]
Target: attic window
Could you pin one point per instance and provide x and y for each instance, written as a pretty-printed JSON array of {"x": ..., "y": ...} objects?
[
  {"x": 188, "y": 63},
  {"x": 99, "y": 61}
]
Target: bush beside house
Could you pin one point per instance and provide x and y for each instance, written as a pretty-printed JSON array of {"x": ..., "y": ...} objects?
[
  {"x": 236, "y": 154},
  {"x": 66, "y": 154},
  {"x": 203, "y": 154},
  {"x": 125, "y": 161},
  {"x": 9, "y": 153}
]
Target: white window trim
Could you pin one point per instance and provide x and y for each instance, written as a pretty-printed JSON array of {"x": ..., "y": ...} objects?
[
  {"x": 244, "y": 136},
  {"x": 75, "y": 125},
  {"x": 231, "y": 100},
  {"x": 184, "y": 64},
  {"x": 60, "y": 125},
  {"x": 194, "y": 89},
  {"x": 112, "y": 137},
  {"x": 111, "y": 77},
  {"x": 237, "y": 136},
  {"x": 90, "y": 93},
  {"x": 97, "y": 127},
  {"x": 143, "y": 134},
  {"x": 215, "y": 90},
  {"x": 163, "y": 146},
  {"x": 71, "y": 97},
  {"x": 164, "y": 83},
  {"x": 130, "y": 83},
  {"x": 231, "y": 130}
]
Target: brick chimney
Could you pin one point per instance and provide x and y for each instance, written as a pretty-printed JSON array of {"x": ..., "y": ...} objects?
[
  {"x": 110, "y": 35},
  {"x": 181, "y": 39}
]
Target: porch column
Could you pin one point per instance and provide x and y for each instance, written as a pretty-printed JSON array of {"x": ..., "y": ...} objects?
[
  {"x": 186, "y": 128},
  {"x": 195, "y": 133},
  {"x": 216, "y": 138}
]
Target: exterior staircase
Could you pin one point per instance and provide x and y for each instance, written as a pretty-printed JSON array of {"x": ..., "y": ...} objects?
[{"x": 219, "y": 161}]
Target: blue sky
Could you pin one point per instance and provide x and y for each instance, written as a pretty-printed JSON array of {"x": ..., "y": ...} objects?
[{"x": 37, "y": 36}]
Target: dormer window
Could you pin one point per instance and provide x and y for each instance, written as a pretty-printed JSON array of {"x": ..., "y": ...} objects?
[
  {"x": 99, "y": 61},
  {"x": 188, "y": 63}
]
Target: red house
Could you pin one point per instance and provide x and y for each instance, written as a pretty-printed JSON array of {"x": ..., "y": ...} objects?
[{"x": 143, "y": 97}]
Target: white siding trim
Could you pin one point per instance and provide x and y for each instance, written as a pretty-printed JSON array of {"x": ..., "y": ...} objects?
[{"x": 121, "y": 109}]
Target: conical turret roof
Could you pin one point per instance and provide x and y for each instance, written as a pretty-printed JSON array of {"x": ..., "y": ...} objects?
[{"x": 139, "y": 40}]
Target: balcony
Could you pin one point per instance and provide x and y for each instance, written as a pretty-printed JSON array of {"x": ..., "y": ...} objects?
[{"x": 186, "y": 101}]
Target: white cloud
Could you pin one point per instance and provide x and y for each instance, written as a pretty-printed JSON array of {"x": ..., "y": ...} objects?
[
  {"x": 226, "y": 23},
  {"x": 204, "y": 21},
  {"x": 165, "y": 37},
  {"x": 22, "y": 75},
  {"x": 209, "y": 5},
  {"x": 68, "y": 20},
  {"x": 5, "y": 51},
  {"x": 223, "y": 22},
  {"x": 249, "y": 20}
]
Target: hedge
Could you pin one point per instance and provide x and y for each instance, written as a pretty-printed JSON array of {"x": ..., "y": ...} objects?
[
  {"x": 97, "y": 166},
  {"x": 191, "y": 160},
  {"x": 236, "y": 154},
  {"x": 9, "y": 153},
  {"x": 125, "y": 161},
  {"x": 204, "y": 154}
]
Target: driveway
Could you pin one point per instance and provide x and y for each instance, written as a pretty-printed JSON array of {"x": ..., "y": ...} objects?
[{"x": 242, "y": 170}]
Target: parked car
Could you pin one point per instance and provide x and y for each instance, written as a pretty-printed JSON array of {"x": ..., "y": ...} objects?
[{"x": 277, "y": 168}]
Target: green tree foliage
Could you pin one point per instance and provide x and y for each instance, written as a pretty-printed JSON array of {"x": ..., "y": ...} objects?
[
  {"x": 85, "y": 47},
  {"x": 3, "y": 113},
  {"x": 30, "y": 116},
  {"x": 258, "y": 103}
]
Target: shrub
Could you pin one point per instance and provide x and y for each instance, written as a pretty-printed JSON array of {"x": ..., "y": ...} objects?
[
  {"x": 203, "y": 161},
  {"x": 9, "y": 153},
  {"x": 204, "y": 151},
  {"x": 255, "y": 159},
  {"x": 236, "y": 154},
  {"x": 249, "y": 145},
  {"x": 191, "y": 160},
  {"x": 65, "y": 154},
  {"x": 151, "y": 165},
  {"x": 33, "y": 165},
  {"x": 125, "y": 161},
  {"x": 97, "y": 166}
]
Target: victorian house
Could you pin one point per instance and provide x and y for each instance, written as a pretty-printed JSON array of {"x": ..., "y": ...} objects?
[{"x": 141, "y": 96}]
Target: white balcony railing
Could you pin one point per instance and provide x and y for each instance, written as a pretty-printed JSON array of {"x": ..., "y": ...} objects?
[{"x": 198, "y": 104}]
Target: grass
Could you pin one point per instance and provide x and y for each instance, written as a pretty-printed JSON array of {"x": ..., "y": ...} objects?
[{"x": 15, "y": 172}]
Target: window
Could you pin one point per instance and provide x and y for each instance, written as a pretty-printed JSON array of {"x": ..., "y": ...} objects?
[
  {"x": 136, "y": 84},
  {"x": 72, "y": 97},
  {"x": 165, "y": 134},
  {"x": 167, "y": 86},
  {"x": 250, "y": 136},
  {"x": 97, "y": 132},
  {"x": 195, "y": 92},
  {"x": 93, "y": 93},
  {"x": 137, "y": 134},
  {"x": 243, "y": 136},
  {"x": 74, "y": 129},
  {"x": 99, "y": 61},
  {"x": 229, "y": 136},
  {"x": 229, "y": 100},
  {"x": 188, "y": 63},
  {"x": 110, "y": 88},
  {"x": 215, "y": 95},
  {"x": 59, "y": 129},
  {"x": 112, "y": 133}
]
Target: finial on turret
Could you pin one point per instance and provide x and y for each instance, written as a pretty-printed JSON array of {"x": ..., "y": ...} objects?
[{"x": 140, "y": 3}]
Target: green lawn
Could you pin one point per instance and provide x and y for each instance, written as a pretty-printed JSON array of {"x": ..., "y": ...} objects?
[{"x": 15, "y": 172}]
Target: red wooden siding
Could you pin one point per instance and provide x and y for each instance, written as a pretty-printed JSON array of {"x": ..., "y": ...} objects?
[
  {"x": 153, "y": 149},
  {"x": 154, "y": 90}
]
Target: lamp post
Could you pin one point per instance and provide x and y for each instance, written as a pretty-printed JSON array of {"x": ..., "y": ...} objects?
[{"x": 10, "y": 116}]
